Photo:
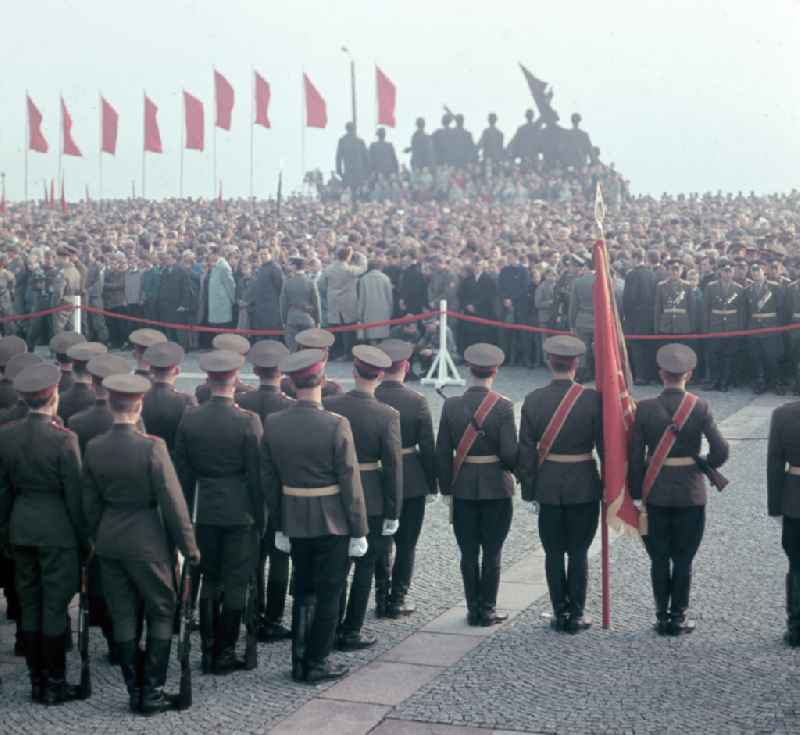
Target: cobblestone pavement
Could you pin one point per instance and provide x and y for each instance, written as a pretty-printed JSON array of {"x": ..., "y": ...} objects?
[{"x": 521, "y": 677}]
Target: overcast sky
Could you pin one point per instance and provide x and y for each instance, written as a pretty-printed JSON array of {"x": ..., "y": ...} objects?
[{"x": 683, "y": 95}]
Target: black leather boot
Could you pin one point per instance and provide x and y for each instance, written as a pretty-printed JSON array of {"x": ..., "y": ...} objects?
[
  {"x": 660, "y": 578},
  {"x": 399, "y": 606},
  {"x": 225, "y": 662},
  {"x": 679, "y": 596},
  {"x": 382, "y": 598},
  {"x": 556, "y": 578},
  {"x": 489, "y": 616},
  {"x": 209, "y": 623},
  {"x": 355, "y": 640},
  {"x": 127, "y": 652},
  {"x": 32, "y": 642},
  {"x": 324, "y": 670},
  {"x": 303, "y": 619},
  {"x": 154, "y": 698},
  {"x": 792, "y": 635},
  {"x": 56, "y": 689}
]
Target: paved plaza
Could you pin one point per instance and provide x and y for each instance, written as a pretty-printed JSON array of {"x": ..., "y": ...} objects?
[{"x": 431, "y": 674}]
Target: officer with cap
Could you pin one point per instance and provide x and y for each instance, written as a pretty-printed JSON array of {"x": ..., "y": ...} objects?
[
  {"x": 163, "y": 406},
  {"x": 376, "y": 430},
  {"x": 230, "y": 343},
  {"x": 476, "y": 454},
  {"x": 724, "y": 304},
  {"x": 419, "y": 478},
  {"x": 40, "y": 503},
  {"x": 792, "y": 308},
  {"x": 265, "y": 357},
  {"x": 561, "y": 425},
  {"x": 299, "y": 302},
  {"x": 674, "y": 303},
  {"x": 140, "y": 340},
  {"x": 315, "y": 339},
  {"x": 81, "y": 395},
  {"x": 135, "y": 510},
  {"x": 309, "y": 470},
  {"x": 59, "y": 345},
  {"x": 9, "y": 346},
  {"x": 765, "y": 308},
  {"x": 673, "y": 496},
  {"x": 217, "y": 457},
  {"x": 14, "y": 367}
]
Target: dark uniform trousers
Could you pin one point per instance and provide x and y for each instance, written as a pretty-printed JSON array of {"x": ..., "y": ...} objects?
[
  {"x": 320, "y": 571},
  {"x": 133, "y": 586},
  {"x": 568, "y": 529},
  {"x": 46, "y": 580},
  {"x": 674, "y": 535},
  {"x": 228, "y": 555},
  {"x": 364, "y": 567},
  {"x": 722, "y": 352},
  {"x": 405, "y": 541},
  {"x": 481, "y": 527},
  {"x": 790, "y": 540},
  {"x": 272, "y": 595}
]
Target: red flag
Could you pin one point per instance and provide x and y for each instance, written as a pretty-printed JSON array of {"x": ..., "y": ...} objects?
[
  {"x": 69, "y": 147},
  {"x": 36, "y": 139},
  {"x": 387, "y": 98},
  {"x": 152, "y": 136},
  {"x": 316, "y": 110},
  {"x": 613, "y": 382},
  {"x": 108, "y": 123},
  {"x": 193, "y": 114},
  {"x": 223, "y": 94},
  {"x": 63, "y": 198},
  {"x": 262, "y": 94}
]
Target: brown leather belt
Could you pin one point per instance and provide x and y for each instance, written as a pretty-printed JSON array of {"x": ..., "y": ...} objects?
[
  {"x": 679, "y": 462},
  {"x": 311, "y": 492},
  {"x": 481, "y": 459},
  {"x": 568, "y": 458}
]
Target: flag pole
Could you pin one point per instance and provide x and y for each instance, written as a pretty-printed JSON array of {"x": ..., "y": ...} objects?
[
  {"x": 183, "y": 144},
  {"x": 60, "y": 133},
  {"x": 27, "y": 141},
  {"x": 144, "y": 142},
  {"x": 252, "y": 126},
  {"x": 303, "y": 131},
  {"x": 214, "y": 175},
  {"x": 100, "y": 155}
]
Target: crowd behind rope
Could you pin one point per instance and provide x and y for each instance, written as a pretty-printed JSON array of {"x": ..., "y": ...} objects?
[{"x": 501, "y": 237}]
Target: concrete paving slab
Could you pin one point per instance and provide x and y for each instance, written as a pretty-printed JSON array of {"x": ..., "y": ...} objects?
[
  {"x": 325, "y": 717},
  {"x": 383, "y": 682},
  {"x": 518, "y": 595},
  {"x": 454, "y": 621},
  {"x": 432, "y": 649},
  {"x": 405, "y": 727}
]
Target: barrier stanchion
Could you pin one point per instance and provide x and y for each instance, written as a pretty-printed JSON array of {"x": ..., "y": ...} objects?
[
  {"x": 77, "y": 314},
  {"x": 443, "y": 367}
]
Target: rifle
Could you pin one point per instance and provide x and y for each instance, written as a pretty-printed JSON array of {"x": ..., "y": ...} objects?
[
  {"x": 184, "y": 633},
  {"x": 715, "y": 477},
  {"x": 251, "y": 625},
  {"x": 83, "y": 633}
]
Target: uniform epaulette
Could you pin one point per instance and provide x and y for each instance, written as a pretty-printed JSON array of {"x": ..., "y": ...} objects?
[{"x": 151, "y": 437}]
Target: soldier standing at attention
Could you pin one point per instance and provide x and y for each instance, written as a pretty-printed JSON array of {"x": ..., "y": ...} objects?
[
  {"x": 217, "y": 450},
  {"x": 315, "y": 339},
  {"x": 376, "y": 430},
  {"x": 765, "y": 308},
  {"x": 664, "y": 476},
  {"x": 299, "y": 302},
  {"x": 265, "y": 358},
  {"x": 476, "y": 452},
  {"x": 140, "y": 340},
  {"x": 561, "y": 425},
  {"x": 419, "y": 479},
  {"x": 163, "y": 405},
  {"x": 135, "y": 511},
  {"x": 783, "y": 501},
  {"x": 59, "y": 345},
  {"x": 80, "y": 395},
  {"x": 313, "y": 490},
  {"x": 231, "y": 343},
  {"x": 9, "y": 346},
  {"x": 724, "y": 312},
  {"x": 673, "y": 306},
  {"x": 40, "y": 503},
  {"x": 18, "y": 363}
]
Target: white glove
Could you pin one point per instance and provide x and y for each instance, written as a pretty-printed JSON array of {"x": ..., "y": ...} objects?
[
  {"x": 282, "y": 542},
  {"x": 358, "y": 546},
  {"x": 390, "y": 526},
  {"x": 638, "y": 504},
  {"x": 533, "y": 506}
]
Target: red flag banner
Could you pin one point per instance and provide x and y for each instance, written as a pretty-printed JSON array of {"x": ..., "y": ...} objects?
[
  {"x": 152, "y": 136},
  {"x": 193, "y": 114},
  {"x": 108, "y": 120},
  {"x": 613, "y": 382},
  {"x": 262, "y": 94},
  {"x": 387, "y": 98},
  {"x": 36, "y": 139},
  {"x": 223, "y": 94},
  {"x": 69, "y": 146},
  {"x": 316, "y": 110}
]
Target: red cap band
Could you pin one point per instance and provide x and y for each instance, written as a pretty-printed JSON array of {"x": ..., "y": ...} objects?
[{"x": 314, "y": 369}]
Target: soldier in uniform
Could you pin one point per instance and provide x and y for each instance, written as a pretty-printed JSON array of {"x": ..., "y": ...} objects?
[
  {"x": 724, "y": 312},
  {"x": 40, "y": 503},
  {"x": 59, "y": 346},
  {"x": 376, "y": 430},
  {"x": 66, "y": 286},
  {"x": 217, "y": 452},
  {"x": 39, "y": 299},
  {"x": 265, "y": 358},
  {"x": 299, "y": 302},
  {"x": 312, "y": 486},
  {"x": 491, "y": 142},
  {"x": 8, "y": 283},
  {"x": 421, "y": 148},
  {"x": 562, "y": 291},
  {"x": 764, "y": 309},
  {"x": 231, "y": 343},
  {"x": 382, "y": 158},
  {"x": 481, "y": 490},
  {"x": 135, "y": 510},
  {"x": 581, "y": 321},
  {"x": 675, "y": 504},
  {"x": 792, "y": 308},
  {"x": 10, "y": 345},
  {"x": 315, "y": 339},
  {"x": 80, "y": 395},
  {"x": 783, "y": 501},
  {"x": 526, "y": 142},
  {"x": 638, "y": 299},
  {"x": 419, "y": 479},
  {"x": 674, "y": 304},
  {"x": 561, "y": 425},
  {"x": 140, "y": 340},
  {"x": 14, "y": 367}
]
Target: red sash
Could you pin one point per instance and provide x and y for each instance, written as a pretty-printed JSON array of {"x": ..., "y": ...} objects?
[
  {"x": 666, "y": 443},
  {"x": 557, "y": 420},
  {"x": 472, "y": 431}
]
